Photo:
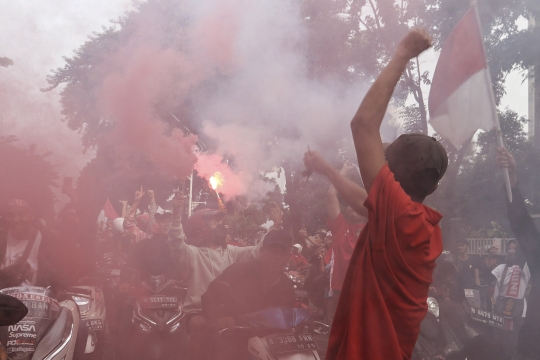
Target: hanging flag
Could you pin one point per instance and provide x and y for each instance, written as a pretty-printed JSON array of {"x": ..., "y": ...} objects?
[
  {"x": 460, "y": 97},
  {"x": 107, "y": 212}
]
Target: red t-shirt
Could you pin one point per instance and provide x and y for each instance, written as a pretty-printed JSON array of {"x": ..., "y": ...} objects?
[
  {"x": 384, "y": 295},
  {"x": 298, "y": 260},
  {"x": 345, "y": 235}
]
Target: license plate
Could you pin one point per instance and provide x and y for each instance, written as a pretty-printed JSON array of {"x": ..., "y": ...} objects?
[
  {"x": 159, "y": 302},
  {"x": 487, "y": 317},
  {"x": 287, "y": 343},
  {"x": 96, "y": 324},
  {"x": 300, "y": 294}
]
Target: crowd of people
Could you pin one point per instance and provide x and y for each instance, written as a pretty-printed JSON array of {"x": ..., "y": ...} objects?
[{"x": 368, "y": 270}]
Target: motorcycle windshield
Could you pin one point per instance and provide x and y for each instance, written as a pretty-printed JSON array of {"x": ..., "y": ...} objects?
[
  {"x": 277, "y": 318},
  {"x": 21, "y": 339}
]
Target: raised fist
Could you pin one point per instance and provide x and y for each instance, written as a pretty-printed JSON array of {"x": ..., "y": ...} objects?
[
  {"x": 313, "y": 161},
  {"x": 415, "y": 42},
  {"x": 139, "y": 194}
]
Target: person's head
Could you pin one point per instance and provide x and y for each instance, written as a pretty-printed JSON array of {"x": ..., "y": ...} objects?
[
  {"x": 462, "y": 246},
  {"x": 511, "y": 249},
  {"x": 297, "y": 249},
  {"x": 276, "y": 250},
  {"x": 163, "y": 222},
  {"x": 320, "y": 236},
  {"x": 204, "y": 228},
  {"x": 418, "y": 162},
  {"x": 19, "y": 219},
  {"x": 352, "y": 216}
]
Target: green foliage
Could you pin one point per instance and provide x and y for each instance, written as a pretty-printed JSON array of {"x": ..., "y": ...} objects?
[
  {"x": 480, "y": 196},
  {"x": 27, "y": 175},
  {"x": 245, "y": 222}
]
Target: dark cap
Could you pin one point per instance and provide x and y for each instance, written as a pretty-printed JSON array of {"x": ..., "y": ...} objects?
[
  {"x": 462, "y": 241},
  {"x": 280, "y": 237},
  {"x": 418, "y": 152},
  {"x": 12, "y": 310}
]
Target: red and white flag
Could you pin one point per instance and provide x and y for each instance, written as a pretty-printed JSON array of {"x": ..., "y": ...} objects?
[
  {"x": 107, "y": 212},
  {"x": 461, "y": 95}
]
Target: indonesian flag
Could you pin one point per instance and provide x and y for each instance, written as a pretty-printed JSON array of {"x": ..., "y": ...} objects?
[
  {"x": 107, "y": 212},
  {"x": 461, "y": 98}
]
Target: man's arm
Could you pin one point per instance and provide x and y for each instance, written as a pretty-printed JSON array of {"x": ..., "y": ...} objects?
[
  {"x": 521, "y": 221},
  {"x": 152, "y": 209},
  {"x": 247, "y": 252},
  {"x": 352, "y": 193},
  {"x": 366, "y": 123},
  {"x": 129, "y": 220},
  {"x": 180, "y": 251}
]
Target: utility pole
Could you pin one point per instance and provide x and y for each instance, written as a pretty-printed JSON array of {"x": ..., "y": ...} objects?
[{"x": 534, "y": 98}]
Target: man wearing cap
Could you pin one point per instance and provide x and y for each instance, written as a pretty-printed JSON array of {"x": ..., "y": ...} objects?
[
  {"x": 250, "y": 286},
  {"x": 297, "y": 261},
  {"x": 384, "y": 295},
  {"x": 202, "y": 258}
]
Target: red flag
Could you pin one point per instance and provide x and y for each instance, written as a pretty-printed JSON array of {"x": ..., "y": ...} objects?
[
  {"x": 460, "y": 99},
  {"x": 110, "y": 212}
]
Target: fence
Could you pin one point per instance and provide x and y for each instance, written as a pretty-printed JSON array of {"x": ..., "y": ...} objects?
[{"x": 482, "y": 246}]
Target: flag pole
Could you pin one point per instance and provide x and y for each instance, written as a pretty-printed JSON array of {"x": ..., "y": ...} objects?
[{"x": 500, "y": 142}]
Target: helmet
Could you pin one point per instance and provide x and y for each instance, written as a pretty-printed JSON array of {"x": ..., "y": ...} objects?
[
  {"x": 118, "y": 225},
  {"x": 197, "y": 228},
  {"x": 298, "y": 247}
]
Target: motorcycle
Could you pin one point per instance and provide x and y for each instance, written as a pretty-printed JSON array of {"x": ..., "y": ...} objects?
[
  {"x": 156, "y": 319},
  {"x": 92, "y": 313},
  {"x": 275, "y": 334},
  {"x": 447, "y": 329},
  {"x": 49, "y": 331}
]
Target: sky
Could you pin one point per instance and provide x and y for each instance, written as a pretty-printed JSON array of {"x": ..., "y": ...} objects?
[{"x": 37, "y": 34}]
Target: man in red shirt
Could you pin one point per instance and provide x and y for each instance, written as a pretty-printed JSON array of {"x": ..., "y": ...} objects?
[
  {"x": 383, "y": 299},
  {"x": 345, "y": 226}
]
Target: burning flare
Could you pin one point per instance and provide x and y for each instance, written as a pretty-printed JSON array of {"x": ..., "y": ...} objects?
[{"x": 216, "y": 181}]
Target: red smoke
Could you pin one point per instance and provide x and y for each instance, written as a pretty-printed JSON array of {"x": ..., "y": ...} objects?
[{"x": 128, "y": 96}]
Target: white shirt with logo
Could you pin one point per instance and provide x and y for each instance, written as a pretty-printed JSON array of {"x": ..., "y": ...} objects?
[{"x": 14, "y": 251}]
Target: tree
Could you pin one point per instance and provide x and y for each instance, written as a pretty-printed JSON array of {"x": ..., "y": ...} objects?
[
  {"x": 27, "y": 175},
  {"x": 480, "y": 197},
  {"x": 5, "y": 62}
]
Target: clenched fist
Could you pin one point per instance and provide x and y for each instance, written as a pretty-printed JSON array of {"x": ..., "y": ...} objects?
[{"x": 415, "y": 42}]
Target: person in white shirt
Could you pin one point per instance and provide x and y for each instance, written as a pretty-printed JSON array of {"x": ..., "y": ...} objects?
[
  {"x": 202, "y": 260},
  {"x": 26, "y": 257},
  {"x": 516, "y": 278}
]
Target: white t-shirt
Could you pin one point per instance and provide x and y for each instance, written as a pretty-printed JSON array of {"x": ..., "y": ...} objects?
[
  {"x": 14, "y": 251},
  {"x": 517, "y": 292}
]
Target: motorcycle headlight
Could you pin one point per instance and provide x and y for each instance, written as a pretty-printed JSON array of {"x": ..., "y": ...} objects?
[
  {"x": 83, "y": 303},
  {"x": 433, "y": 306}
]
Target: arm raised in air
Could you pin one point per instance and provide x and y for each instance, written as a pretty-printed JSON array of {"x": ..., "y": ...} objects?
[{"x": 366, "y": 123}]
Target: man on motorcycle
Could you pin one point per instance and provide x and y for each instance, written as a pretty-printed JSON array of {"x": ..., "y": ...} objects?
[
  {"x": 151, "y": 255},
  {"x": 202, "y": 260},
  {"x": 250, "y": 286}
]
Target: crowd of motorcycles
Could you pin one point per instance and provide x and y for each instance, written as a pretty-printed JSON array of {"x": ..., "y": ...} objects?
[{"x": 115, "y": 313}]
